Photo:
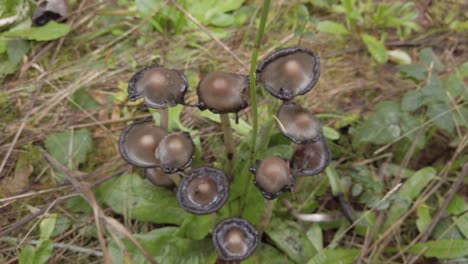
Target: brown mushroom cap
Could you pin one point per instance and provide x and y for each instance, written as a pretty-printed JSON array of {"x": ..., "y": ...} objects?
[
  {"x": 289, "y": 72},
  {"x": 235, "y": 239},
  {"x": 311, "y": 159},
  {"x": 138, "y": 142},
  {"x": 222, "y": 92},
  {"x": 158, "y": 178},
  {"x": 203, "y": 191},
  {"x": 272, "y": 175},
  {"x": 298, "y": 124},
  {"x": 175, "y": 152},
  {"x": 160, "y": 87}
]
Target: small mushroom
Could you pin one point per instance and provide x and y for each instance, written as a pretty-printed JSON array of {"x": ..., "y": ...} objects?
[
  {"x": 175, "y": 152},
  {"x": 289, "y": 72},
  {"x": 138, "y": 142},
  {"x": 222, "y": 92},
  {"x": 311, "y": 159},
  {"x": 298, "y": 124},
  {"x": 272, "y": 175},
  {"x": 235, "y": 239},
  {"x": 49, "y": 10},
  {"x": 203, "y": 190},
  {"x": 158, "y": 178},
  {"x": 160, "y": 87}
]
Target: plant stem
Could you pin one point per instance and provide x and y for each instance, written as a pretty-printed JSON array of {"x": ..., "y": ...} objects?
[
  {"x": 164, "y": 118},
  {"x": 266, "y": 215},
  {"x": 253, "y": 89},
  {"x": 228, "y": 143}
]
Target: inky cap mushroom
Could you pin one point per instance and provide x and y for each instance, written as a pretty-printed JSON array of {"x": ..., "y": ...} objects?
[
  {"x": 160, "y": 87},
  {"x": 222, "y": 92},
  {"x": 175, "y": 152},
  {"x": 235, "y": 239},
  {"x": 204, "y": 190},
  {"x": 138, "y": 142},
  {"x": 311, "y": 159},
  {"x": 289, "y": 72},
  {"x": 48, "y": 10},
  {"x": 158, "y": 178},
  {"x": 298, "y": 124},
  {"x": 272, "y": 175}
]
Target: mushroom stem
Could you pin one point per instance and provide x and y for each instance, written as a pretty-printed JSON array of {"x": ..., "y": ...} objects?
[
  {"x": 164, "y": 118},
  {"x": 266, "y": 215},
  {"x": 228, "y": 143}
]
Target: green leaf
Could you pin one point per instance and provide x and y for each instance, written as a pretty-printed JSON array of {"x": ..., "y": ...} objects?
[
  {"x": 16, "y": 49},
  {"x": 282, "y": 151},
  {"x": 70, "y": 148},
  {"x": 376, "y": 48},
  {"x": 455, "y": 86},
  {"x": 222, "y": 20},
  {"x": 131, "y": 195},
  {"x": 50, "y": 31},
  {"x": 441, "y": 249},
  {"x": 196, "y": 226},
  {"x": 315, "y": 236},
  {"x": 43, "y": 252},
  {"x": 331, "y": 133},
  {"x": 408, "y": 192},
  {"x": 82, "y": 98},
  {"x": 46, "y": 226},
  {"x": 27, "y": 255},
  {"x": 413, "y": 71},
  {"x": 165, "y": 247},
  {"x": 332, "y": 27},
  {"x": 288, "y": 237},
  {"x": 412, "y": 100},
  {"x": 424, "y": 218},
  {"x": 463, "y": 70},
  {"x": 147, "y": 8},
  {"x": 243, "y": 128},
  {"x": 332, "y": 256},
  {"x": 266, "y": 254},
  {"x": 445, "y": 122},
  {"x": 459, "y": 208},
  {"x": 428, "y": 57}
]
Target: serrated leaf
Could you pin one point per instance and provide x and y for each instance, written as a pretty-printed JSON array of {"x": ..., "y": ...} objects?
[
  {"x": 50, "y": 31},
  {"x": 441, "y": 249},
  {"x": 413, "y": 71},
  {"x": 435, "y": 110},
  {"x": 428, "y": 57},
  {"x": 288, "y": 237},
  {"x": 131, "y": 195},
  {"x": 376, "y": 48},
  {"x": 412, "y": 100},
  {"x": 332, "y": 27},
  {"x": 329, "y": 256}
]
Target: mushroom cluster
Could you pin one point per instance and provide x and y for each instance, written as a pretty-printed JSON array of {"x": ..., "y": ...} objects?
[{"x": 285, "y": 74}]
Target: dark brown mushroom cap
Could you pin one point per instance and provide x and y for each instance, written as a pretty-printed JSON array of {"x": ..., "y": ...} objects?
[
  {"x": 235, "y": 239},
  {"x": 48, "y": 10},
  {"x": 222, "y": 92},
  {"x": 298, "y": 124},
  {"x": 158, "y": 178},
  {"x": 311, "y": 159},
  {"x": 272, "y": 175},
  {"x": 289, "y": 72},
  {"x": 138, "y": 142},
  {"x": 175, "y": 152},
  {"x": 203, "y": 190},
  {"x": 160, "y": 87}
]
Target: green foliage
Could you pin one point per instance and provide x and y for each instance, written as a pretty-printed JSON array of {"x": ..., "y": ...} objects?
[
  {"x": 365, "y": 186},
  {"x": 329, "y": 256},
  {"x": 129, "y": 194},
  {"x": 327, "y": 26},
  {"x": 375, "y": 47},
  {"x": 50, "y": 31},
  {"x": 441, "y": 249},
  {"x": 266, "y": 254},
  {"x": 43, "y": 250},
  {"x": 459, "y": 209}
]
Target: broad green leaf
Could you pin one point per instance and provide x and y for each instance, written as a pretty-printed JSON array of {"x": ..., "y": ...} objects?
[
  {"x": 375, "y": 47},
  {"x": 70, "y": 148},
  {"x": 26, "y": 255},
  {"x": 428, "y": 57},
  {"x": 243, "y": 128},
  {"x": 282, "y": 151},
  {"x": 315, "y": 236},
  {"x": 463, "y": 70},
  {"x": 147, "y": 8},
  {"x": 415, "y": 72},
  {"x": 335, "y": 256},
  {"x": 47, "y": 225},
  {"x": 222, "y": 20},
  {"x": 166, "y": 247},
  {"x": 459, "y": 208},
  {"x": 412, "y": 100},
  {"x": 43, "y": 252},
  {"x": 424, "y": 218},
  {"x": 441, "y": 249},
  {"x": 254, "y": 203},
  {"x": 85, "y": 101},
  {"x": 196, "y": 226},
  {"x": 131, "y": 195},
  {"x": 435, "y": 110},
  {"x": 408, "y": 192},
  {"x": 266, "y": 254},
  {"x": 16, "y": 49},
  {"x": 331, "y": 133},
  {"x": 332, "y": 27},
  {"x": 50, "y": 31},
  {"x": 334, "y": 179},
  {"x": 289, "y": 238}
]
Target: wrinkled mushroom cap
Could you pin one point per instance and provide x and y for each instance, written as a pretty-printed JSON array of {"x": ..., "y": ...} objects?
[
  {"x": 222, "y": 92},
  {"x": 289, "y": 72},
  {"x": 138, "y": 142},
  {"x": 48, "y": 10},
  {"x": 311, "y": 159},
  {"x": 160, "y": 87},
  {"x": 298, "y": 124},
  {"x": 272, "y": 175},
  {"x": 175, "y": 152},
  {"x": 158, "y": 178},
  {"x": 235, "y": 239},
  {"x": 203, "y": 191}
]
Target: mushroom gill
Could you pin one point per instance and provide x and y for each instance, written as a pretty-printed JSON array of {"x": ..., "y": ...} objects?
[{"x": 311, "y": 159}]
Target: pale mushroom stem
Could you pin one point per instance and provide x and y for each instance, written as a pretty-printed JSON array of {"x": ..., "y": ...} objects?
[
  {"x": 228, "y": 143},
  {"x": 266, "y": 215},
  {"x": 164, "y": 123}
]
